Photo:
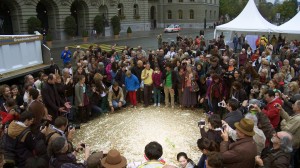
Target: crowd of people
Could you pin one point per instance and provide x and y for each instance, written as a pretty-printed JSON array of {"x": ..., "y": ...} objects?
[{"x": 251, "y": 98}]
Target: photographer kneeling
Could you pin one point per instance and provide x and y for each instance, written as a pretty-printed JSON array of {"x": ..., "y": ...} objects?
[
  {"x": 60, "y": 155},
  {"x": 60, "y": 129}
]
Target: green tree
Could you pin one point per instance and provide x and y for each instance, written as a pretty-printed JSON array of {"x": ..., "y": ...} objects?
[
  {"x": 116, "y": 24},
  {"x": 232, "y": 7},
  {"x": 99, "y": 24},
  {"x": 70, "y": 26},
  {"x": 287, "y": 10},
  {"x": 267, "y": 11},
  {"x": 34, "y": 24}
]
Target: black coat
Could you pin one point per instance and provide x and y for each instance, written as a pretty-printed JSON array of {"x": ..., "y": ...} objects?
[
  {"x": 51, "y": 99},
  {"x": 233, "y": 117}
]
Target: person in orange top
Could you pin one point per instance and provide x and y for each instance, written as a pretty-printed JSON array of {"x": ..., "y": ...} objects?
[{"x": 255, "y": 56}]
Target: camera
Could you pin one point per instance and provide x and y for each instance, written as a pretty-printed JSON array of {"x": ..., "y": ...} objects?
[
  {"x": 250, "y": 106},
  {"x": 76, "y": 126},
  {"x": 221, "y": 104},
  {"x": 45, "y": 124},
  {"x": 224, "y": 127},
  {"x": 201, "y": 122}
]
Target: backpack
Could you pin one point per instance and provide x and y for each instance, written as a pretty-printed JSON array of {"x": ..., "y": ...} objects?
[{"x": 9, "y": 145}]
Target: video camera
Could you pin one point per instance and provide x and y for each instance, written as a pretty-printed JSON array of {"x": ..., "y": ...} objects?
[{"x": 71, "y": 126}]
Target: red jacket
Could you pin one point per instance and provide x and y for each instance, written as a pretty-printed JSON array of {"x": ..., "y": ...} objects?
[
  {"x": 272, "y": 112},
  {"x": 6, "y": 117}
]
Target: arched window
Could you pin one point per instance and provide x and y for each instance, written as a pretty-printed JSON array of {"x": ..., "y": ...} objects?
[
  {"x": 180, "y": 14},
  {"x": 192, "y": 14},
  {"x": 135, "y": 10},
  {"x": 120, "y": 9},
  {"x": 169, "y": 14}
]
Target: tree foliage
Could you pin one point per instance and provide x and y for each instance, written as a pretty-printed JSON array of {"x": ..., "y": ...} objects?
[
  {"x": 232, "y": 7},
  {"x": 99, "y": 24},
  {"x": 267, "y": 10},
  {"x": 116, "y": 24},
  {"x": 287, "y": 9},
  {"x": 34, "y": 24},
  {"x": 70, "y": 26}
]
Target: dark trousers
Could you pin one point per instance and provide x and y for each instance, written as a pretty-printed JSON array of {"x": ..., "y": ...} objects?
[
  {"x": 83, "y": 114},
  {"x": 140, "y": 95},
  {"x": 147, "y": 94}
]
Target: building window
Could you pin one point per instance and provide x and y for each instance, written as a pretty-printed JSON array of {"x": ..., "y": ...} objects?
[
  {"x": 215, "y": 13},
  {"x": 210, "y": 15},
  {"x": 211, "y": 1},
  {"x": 169, "y": 14},
  {"x": 191, "y": 14},
  {"x": 180, "y": 14},
  {"x": 135, "y": 10},
  {"x": 180, "y": 1},
  {"x": 120, "y": 9},
  {"x": 169, "y": 1}
]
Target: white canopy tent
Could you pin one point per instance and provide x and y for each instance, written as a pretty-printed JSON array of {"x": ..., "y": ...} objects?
[
  {"x": 249, "y": 20},
  {"x": 292, "y": 26}
]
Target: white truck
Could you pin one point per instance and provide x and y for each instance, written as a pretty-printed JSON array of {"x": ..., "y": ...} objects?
[{"x": 21, "y": 55}]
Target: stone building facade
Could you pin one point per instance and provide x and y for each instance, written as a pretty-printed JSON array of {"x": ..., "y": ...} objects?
[{"x": 140, "y": 15}]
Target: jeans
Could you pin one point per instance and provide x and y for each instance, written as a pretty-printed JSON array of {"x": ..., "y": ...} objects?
[
  {"x": 115, "y": 103},
  {"x": 104, "y": 104},
  {"x": 169, "y": 91},
  {"x": 96, "y": 110},
  {"x": 157, "y": 95}
]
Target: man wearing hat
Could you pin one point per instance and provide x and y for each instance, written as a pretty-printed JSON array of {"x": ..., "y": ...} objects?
[
  {"x": 114, "y": 160},
  {"x": 240, "y": 154},
  {"x": 94, "y": 160},
  {"x": 78, "y": 54}
]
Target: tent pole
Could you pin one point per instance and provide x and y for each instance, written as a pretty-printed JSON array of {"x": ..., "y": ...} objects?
[{"x": 215, "y": 33}]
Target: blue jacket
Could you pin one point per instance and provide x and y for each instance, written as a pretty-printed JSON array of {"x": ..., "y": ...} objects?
[
  {"x": 66, "y": 58},
  {"x": 132, "y": 83}
]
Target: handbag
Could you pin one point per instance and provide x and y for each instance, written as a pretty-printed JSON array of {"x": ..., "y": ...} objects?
[{"x": 194, "y": 86}]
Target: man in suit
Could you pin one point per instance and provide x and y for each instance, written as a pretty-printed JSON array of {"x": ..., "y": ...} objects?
[{"x": 51, "y": 99}]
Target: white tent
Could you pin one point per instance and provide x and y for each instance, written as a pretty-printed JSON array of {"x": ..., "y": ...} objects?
[
  {"x": 292, "y": 26},
  {"x": 249, "y": 20}
]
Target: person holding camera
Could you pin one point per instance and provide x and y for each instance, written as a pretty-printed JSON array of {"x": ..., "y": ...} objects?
[
  {"x": 60, "y": 129},
  {"x": 11, "y": 111},
  {"x": 242, "y": 152},
  {"x": 214, "y": 128},
  {"x": 291, "y": 124},
  {"x": 60, "y": 156},
  {"x": 270, "y": 109},
  {"x": 234, "y": 115},
  {"x": 18, "y": 142}
]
